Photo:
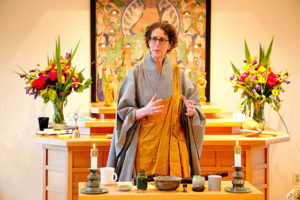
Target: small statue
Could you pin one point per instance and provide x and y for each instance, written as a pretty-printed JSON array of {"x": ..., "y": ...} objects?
[
  {"x": 201, "y": 85},
  {"x": 109, "y": 89}
]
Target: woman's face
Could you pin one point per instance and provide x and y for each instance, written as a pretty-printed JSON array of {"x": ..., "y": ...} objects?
[{"x": 159, "y": 44}]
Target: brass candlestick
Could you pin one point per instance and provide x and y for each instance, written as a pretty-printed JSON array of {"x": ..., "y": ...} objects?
[
  {"x": 238, "y": 181},
  {"x": 92, "y": 187},
  {"x": 76, "y": 133}
]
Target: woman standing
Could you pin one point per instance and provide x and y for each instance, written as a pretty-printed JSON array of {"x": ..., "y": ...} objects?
[{"x": 151, "y": 132}]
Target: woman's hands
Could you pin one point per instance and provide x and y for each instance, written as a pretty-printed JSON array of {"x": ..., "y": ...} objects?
[
  {"x": 150, "y": 109},
  {"x": 189, "y": 105}
]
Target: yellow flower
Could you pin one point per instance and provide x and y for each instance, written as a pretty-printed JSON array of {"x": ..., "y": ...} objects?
[
  {"x": 246, "y": 67},
  {"x": 275, "y": 92},
  {"x": 48, "y": 68},
  {"x": 261, "y": 79},
  {"x": 250, "y": 59},
  {"x": 63, "y": 80},
  {"x": 262, "y": 69},
  {"x": 44, "y": 92},
  {"x": 68, "y": 71},
  {"x": 34, "y": 74},
  {"x": 51, "y": 62}
]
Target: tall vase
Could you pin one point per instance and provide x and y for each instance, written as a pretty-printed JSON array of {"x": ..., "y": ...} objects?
[
  {"x": 58, "y": 117},
  {"x": 258, "y": 113}
]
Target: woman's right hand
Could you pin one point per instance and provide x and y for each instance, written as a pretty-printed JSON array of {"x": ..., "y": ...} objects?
[{"x": 150, "y": 109}]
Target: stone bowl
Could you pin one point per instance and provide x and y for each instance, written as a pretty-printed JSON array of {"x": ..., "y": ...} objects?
[{"x": 167, "y": 183}]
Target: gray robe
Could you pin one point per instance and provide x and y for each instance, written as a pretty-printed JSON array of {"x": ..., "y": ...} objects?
[{"x": 140, "y": 85}]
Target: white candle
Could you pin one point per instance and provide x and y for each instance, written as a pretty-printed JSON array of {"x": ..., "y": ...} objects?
[
  {"x": 94, "y": 157},
  {"x": 237, "y": 154}
]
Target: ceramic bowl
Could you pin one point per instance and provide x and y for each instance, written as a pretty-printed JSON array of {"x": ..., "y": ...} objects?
[
  {"x": 167, "y": 183},
  {"x": 124, "y": 187}
]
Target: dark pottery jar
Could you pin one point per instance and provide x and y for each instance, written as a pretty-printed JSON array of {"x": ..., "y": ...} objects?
[{"x": 141, "y": 181}]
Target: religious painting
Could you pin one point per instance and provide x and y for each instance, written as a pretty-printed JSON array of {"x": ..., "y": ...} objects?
[{"x": 118, "y": 42}]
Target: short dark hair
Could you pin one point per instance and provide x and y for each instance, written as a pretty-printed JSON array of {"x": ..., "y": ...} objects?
[{"x": 167, "y": 28}]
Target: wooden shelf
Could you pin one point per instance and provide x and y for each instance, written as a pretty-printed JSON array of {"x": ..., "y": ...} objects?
[
  {"x": 99, "y": 108},
  {"x": 222, "y": 122},
  {"x": 227, "y": 140}
]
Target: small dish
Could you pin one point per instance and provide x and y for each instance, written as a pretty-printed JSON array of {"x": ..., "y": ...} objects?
[{"x": 124, "y": 187}]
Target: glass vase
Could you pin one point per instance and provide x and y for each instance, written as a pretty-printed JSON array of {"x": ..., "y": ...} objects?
[
  {"x": 258, "y": 113},
  {"x": 58, "y": 117}
]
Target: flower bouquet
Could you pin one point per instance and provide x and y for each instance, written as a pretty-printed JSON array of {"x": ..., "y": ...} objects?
[
  {"x": 56, "y": 82},
  {"x": 260, "y": 84}
]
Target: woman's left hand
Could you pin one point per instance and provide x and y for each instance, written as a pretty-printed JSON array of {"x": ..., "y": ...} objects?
[{"x": 190, "y": 106}]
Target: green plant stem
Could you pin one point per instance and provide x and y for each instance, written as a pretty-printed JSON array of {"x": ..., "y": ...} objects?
[
  {"x": 283, "y": 123},
  {"x": 58, "y": 112}
]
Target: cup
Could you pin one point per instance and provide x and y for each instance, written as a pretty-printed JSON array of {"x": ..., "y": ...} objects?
[
  {"x": 108, "y": 175},
  {"x": 43, "y": 122},
  {"x": 198, "y": 181},
  {"x": 214, "y": 182}
]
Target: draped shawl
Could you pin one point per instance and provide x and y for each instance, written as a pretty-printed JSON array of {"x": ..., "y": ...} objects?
[{"x": 139, "y": 86}]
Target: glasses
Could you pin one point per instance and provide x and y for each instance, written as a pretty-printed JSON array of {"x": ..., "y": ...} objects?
[{"x": 162, "y": 41}]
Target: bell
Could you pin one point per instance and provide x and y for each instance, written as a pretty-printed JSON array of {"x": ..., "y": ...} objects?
[{"x": 76, "y": 133}]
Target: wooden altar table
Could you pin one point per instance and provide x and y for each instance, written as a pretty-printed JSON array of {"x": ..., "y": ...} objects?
[
  {"x": 66, "y": 160},
  {"x": 115, "y": 194}
]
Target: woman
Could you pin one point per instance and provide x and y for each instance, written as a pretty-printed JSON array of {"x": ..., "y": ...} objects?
[{"x": 151, "y": 132}]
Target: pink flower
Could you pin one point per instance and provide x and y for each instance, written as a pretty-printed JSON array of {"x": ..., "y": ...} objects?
[
  {"x": 257, "y": 67},
  {"x": 52, "y": 75},
  {"x": 243, "y": 77},
  {"x": 272, "y": 79},
  {"x": 68, "y": 55}
]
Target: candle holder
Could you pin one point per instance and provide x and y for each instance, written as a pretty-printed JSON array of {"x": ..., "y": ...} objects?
[
  {"x": 238, "y": 181},
  {"x": 92, "y": 187}
]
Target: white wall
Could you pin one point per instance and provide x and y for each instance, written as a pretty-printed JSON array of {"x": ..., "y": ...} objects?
[
  {"x": 257, "y": 21},
  {"x": 28, "y": 32}
]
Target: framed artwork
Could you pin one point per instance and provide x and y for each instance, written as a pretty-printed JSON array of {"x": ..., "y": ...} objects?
[{"x": 117, "y": 39}]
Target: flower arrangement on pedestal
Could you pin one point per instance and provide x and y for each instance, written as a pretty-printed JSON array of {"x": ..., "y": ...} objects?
[
  {"x": 259, "y": 84},
  {"x": 56, "y": 82}
]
